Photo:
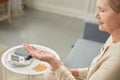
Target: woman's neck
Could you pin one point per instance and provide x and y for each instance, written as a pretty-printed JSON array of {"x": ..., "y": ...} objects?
[{"x": 116, "y": 36}]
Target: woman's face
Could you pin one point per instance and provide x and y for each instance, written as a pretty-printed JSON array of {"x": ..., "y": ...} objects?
[{"x": 109, "y": 20}]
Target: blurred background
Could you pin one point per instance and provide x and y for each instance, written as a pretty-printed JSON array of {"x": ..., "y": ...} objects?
[{"x": 56, "y": 24}]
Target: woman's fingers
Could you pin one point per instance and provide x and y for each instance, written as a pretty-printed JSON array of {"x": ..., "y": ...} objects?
[
  {"x": 28, "y": 48},
  {"x": 32, "y": 50},
  {"x": 37, "y": 53}
]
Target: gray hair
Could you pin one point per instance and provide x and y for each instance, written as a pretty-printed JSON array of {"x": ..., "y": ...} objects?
[{"x": 115, "y": 5}]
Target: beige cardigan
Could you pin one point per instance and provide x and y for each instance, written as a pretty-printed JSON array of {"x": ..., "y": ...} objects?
[{"x": 106, "y": 66}]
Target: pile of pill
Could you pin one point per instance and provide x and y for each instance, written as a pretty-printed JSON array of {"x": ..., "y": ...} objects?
[{"x": 40, "y": 67}]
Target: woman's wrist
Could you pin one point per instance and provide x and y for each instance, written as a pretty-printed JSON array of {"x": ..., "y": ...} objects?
[
  {"x": 55, "y": 63},
  {"x": 75, "y": 73}
]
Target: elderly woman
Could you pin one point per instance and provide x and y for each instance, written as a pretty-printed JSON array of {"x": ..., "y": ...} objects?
[{"x": 106, "y": 66}]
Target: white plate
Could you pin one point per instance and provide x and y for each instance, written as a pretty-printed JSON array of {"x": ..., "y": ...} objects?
[{"x": 29, "y": 69}]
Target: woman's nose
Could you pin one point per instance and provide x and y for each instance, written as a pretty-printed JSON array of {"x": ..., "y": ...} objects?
[{"x": 97, "y": 16}]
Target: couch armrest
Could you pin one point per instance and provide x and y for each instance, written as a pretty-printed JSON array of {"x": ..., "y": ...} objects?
[
  {"x": 92, "y": 32},
  {"x": 83, "y": 53}
]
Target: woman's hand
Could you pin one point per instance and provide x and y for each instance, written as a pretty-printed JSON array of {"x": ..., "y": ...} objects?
[
  {"x": 43, "y": 55},
  {"x": 75, "y": 73}
]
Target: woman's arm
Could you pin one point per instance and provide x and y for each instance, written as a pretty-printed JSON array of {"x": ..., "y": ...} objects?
[
  {"x": 43, "y": 55},
  {"x": 64, "y": 73},
  {"x": 61, "y": 72},
  {"x": 79, "y": 73}
]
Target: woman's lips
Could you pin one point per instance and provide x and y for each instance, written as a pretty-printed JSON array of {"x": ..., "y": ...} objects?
[{"x": 100, "y": 23}]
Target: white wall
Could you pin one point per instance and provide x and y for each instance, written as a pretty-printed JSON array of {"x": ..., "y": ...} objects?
[{"x": 74, "y": 8}]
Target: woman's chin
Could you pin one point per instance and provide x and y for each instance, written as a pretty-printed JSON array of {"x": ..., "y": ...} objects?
[{"x": 101, "y": 28}]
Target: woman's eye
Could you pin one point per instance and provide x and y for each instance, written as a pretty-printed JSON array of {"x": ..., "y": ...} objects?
[{"x": 102, "y": 10}]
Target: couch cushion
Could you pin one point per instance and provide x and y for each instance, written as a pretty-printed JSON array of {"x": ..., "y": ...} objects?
[
  {"x": 83, "y": 53},
  {"x": 92, "y": 32}
]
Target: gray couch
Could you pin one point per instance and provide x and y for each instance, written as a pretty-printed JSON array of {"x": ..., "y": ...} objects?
[{"x": 86, "y": 47}]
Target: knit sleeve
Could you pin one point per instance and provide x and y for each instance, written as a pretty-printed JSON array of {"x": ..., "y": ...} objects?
[
  {"x": 63, "y": 73},
  {"x": 83, "y": 72}
]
